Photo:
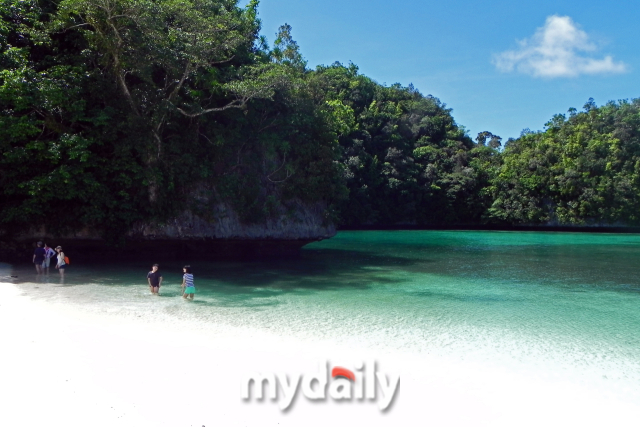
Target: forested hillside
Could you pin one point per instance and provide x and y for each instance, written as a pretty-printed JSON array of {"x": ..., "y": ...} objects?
[
  {"x": 114, "y": 112},
  {"x": 583, "y": 169},
  {"x": 406, "y": 160}
]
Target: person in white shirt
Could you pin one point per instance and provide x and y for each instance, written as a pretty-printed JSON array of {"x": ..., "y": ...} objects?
[
  {"x": 61, "y": 262},
  {"x": 48, "y": 254}
]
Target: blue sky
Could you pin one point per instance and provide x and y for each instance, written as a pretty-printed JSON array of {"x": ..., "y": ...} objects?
[{"x": 502, "y": 66}]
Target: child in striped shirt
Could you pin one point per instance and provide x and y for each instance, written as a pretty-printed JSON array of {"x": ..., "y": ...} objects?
[{"x": 187, "y": 283}]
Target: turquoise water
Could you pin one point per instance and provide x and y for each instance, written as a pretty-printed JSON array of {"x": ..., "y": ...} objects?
[{"x": 566, "y": 305}]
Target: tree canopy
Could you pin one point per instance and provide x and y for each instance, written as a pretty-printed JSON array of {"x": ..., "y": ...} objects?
[
  {"x": 581, "y": 170},
  {"x": 115, "y": 111}
]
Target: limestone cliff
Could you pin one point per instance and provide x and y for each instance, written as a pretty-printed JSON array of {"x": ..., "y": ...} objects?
[
  {"x": 297, "y": 221},
  {"x": 190, "y": 236}
]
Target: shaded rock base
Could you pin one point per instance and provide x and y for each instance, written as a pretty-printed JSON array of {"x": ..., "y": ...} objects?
[{"x": 157, "y": 250}]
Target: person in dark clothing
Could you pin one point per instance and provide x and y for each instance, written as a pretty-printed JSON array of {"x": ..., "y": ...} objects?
[
  {"x": 38, "y": 257},
  {"x": 154, "y": 277}
]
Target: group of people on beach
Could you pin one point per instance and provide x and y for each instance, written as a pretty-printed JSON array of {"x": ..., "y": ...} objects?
[
  {"x": 43, "y": 254},
  {"x": 154, "y": 277},
  {"x": 42, "y": 258}
]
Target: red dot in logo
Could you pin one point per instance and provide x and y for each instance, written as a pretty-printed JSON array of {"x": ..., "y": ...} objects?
[{"x": 343, "y": 372}]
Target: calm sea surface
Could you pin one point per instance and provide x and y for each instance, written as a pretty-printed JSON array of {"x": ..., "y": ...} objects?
[{"x": 563, "y": 304}]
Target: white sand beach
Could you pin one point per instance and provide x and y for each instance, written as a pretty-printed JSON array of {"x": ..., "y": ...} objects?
[{"x": 61, "y": 366}]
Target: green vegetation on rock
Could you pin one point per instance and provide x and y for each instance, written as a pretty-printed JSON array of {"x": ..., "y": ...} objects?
[
  {"x": 406, "y": 160},
  {"x": 113, "y": 112},
  {"x": 117, "y": 112}
]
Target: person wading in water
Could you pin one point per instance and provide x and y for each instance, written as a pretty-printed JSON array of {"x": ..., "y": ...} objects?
[{"x": 154, "y": 277}]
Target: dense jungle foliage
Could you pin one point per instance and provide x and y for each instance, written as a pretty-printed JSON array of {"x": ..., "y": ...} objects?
[
  {"x": 119, "y": 111},
  {"x": 582, "y": 170},
  {"x": 116, "y": 111},
  {"x": 406, "y": 161}
]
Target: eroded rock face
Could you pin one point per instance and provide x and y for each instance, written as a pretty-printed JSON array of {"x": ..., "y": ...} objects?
[
  {"x": 299, "y": 222},
  {"x": 220, "y": 236}
]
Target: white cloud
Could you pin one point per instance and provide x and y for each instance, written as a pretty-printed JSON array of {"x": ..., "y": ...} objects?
[{"x": 558, "y": 49}]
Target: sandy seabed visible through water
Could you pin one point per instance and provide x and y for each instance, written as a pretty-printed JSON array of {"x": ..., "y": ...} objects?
[{"x": 62, "y": 366}]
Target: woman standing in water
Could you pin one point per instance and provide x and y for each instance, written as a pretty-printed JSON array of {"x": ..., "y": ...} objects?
[
  {"x": 61, "y": 264},
  {"x": 187, "y": 283}
]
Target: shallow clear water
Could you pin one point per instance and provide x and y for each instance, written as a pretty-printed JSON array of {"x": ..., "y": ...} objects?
[{"x": 564, "y": 305}]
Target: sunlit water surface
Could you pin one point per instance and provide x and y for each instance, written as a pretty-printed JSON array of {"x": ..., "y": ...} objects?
[{"x": 563, "y": 305}]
